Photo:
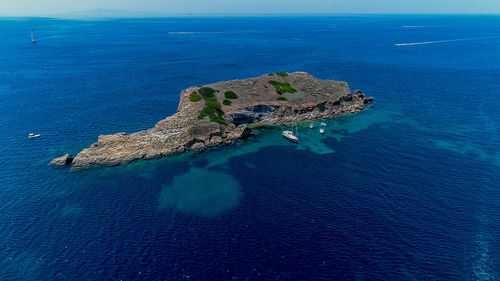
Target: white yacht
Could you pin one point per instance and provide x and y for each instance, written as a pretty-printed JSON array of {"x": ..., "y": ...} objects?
[
  {"x": 311, "y": 126},
  {"x": 33, "y": 136},
  {"x": 289, "y": 134},
  {"x": 323, "y": 124},
  {"x": 322, "y": 130}
]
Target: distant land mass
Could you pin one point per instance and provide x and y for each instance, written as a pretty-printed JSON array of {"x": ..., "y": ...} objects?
[
  {"x": 112, "y": 13},
  {"x": 224, "y": 112}
]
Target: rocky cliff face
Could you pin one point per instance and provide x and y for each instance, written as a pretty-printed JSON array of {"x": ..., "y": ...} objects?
[{"x": 205, "y": 119}]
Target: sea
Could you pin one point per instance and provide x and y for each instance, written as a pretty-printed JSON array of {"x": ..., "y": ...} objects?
[{"x": 406, "y": 190}]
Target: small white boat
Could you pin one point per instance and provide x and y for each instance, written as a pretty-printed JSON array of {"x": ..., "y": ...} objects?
[
  {"x": 33, "y": 136},
  {"x": 290, "y": 136},
  {"x": 311, "y": 126},
  {"x": 323, "y": 124},
  {"x": 322, "y": 130}
]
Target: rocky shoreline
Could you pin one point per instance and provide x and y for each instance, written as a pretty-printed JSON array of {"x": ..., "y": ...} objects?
[{"x": 221, "y": 113}]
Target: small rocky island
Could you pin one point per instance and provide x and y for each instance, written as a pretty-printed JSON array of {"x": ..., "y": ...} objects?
[{"x": 223, "y": 113}]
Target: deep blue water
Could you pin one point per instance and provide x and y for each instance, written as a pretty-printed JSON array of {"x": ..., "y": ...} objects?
[{"x": 406, "y": 190}]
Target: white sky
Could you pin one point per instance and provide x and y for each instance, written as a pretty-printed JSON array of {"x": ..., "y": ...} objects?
[{"x": 58, "y": 7}]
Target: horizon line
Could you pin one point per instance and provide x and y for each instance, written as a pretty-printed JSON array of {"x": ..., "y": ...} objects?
[{"x": 168, "y": 15}]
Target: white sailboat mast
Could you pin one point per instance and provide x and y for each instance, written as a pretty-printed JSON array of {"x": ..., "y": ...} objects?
[
  {"x": 33, "y": 39},
  {"x": 294, "y": 123}
]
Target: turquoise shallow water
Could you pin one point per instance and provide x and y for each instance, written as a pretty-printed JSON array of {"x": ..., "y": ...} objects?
[{"x": 407, "y": 189}]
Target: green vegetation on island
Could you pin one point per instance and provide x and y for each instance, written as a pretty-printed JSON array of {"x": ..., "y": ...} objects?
[
  {"x": 230, "y": 95},
  {"x": 282, "y": 74},
  {"x": 282, "y": 99},
  {"x": 206, "y": 92},
  {"x": 212, "y": 107},
  {"x": 282, "y": 87},
  {"x": 321, "y": 107},
  {"x": 226, "y": 102},
  {"x": 194, "y": 97}
]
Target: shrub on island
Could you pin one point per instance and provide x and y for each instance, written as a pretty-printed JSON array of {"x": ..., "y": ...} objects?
[
  {"x": 226, "y": 102},
  {"x": 282, "y": 99},
  {"x": 206, "y": 92},
  {"x": 212, "y": 107},
  {"x": 230, "y": 95},
  {"x": 282, "y": 87},
  {"x": 282, "y": 74},
  {"x": 194, "y": 97}
]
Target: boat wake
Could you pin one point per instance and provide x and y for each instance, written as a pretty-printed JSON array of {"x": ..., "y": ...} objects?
[
  {"x": 416, "y": 26},
  {"x": 48, "y": 37},
  {"x": 480, "y": 260},
  {"x": 194, "y": 32},
  {"x": 443, "y": 41}
]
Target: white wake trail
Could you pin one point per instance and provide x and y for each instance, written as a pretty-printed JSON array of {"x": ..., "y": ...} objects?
[
  {"x": 443, "y": 41},
  {"x": 194, "y": 32},
  {"x": 416, "y": 26},
  {"x": 47, "y": 37}
]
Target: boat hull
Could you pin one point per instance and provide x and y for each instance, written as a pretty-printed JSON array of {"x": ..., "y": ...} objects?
[{"x": 290, "y": 136}]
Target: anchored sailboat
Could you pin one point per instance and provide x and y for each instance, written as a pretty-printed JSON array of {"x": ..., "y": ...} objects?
[
  {"x": 289, "y": 135},
  {"x": 33, "y": 39}
]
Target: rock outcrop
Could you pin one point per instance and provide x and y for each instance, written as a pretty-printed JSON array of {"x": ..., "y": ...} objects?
[
  {"x": 257, "y": 103},
  {"x": 61, "y": 161}
]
